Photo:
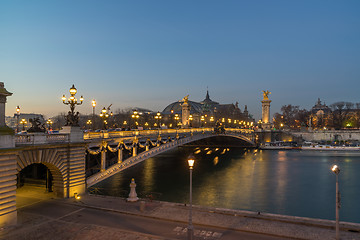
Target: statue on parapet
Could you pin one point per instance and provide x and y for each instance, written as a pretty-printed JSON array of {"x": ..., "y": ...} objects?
[
  {"x": 36, "y": 125},
  {"x": 72, "y": 119},
  {"x": 266, "y": 95},
  {"x": 185, "y": 99}
]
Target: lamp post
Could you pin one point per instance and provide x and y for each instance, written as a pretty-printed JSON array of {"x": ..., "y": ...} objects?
[
  {"x": 202, "y": 120},
  {"x": 158, "y": 117},
  {"x": 17, "y": 118},
  {"x": 190, "y": 120},
  {"x": 72, "y": 119},
  {"x": 177, "y": 118},
  {"x": 212, "y": 121},
  {"x": 89, "y": 122},
  {"x": 49, "y": 122},
  {"x": 190, "y": 228},
  {"x": 23, "y": 122},
  {"x": 135, "y": 116},
  {"x": 93, "y": 104},
  {"x": 104, "y": 115},
  {"x": 336, "y": 170}
]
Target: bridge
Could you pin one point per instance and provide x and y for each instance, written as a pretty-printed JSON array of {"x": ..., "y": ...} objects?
[
  {"x": 64, "y": 155},
  {"x": 154, "y": 148}
]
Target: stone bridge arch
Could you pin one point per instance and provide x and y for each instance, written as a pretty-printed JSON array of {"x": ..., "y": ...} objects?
[{"x": 66, "y": 163}]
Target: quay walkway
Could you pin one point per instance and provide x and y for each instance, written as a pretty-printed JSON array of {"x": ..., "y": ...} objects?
[{"x": 33, "y": 225}]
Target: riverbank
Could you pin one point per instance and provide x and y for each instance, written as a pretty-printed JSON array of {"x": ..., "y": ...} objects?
[
  {"x": 237, "y": 220},
  {"x": 224, "y": 220}
]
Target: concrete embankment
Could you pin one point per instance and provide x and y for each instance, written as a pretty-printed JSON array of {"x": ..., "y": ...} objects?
[{"x": 236, "y": 220}]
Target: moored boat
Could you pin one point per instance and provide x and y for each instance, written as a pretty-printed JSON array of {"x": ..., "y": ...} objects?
[
  {"x": 279, "y": 145},
  {"x": 320, "y": 147}
]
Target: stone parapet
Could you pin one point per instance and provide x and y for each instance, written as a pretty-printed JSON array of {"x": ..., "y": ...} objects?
[
  {"x": 8, "y": 213},
  {"x": 7, "y": 141},
  {"x": 329, "y": 135}
]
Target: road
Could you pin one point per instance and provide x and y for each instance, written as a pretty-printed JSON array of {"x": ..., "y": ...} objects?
[{"x": 60, "y": 211}]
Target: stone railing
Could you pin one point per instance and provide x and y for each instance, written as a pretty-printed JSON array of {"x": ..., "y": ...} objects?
[
  {"x": 121, "y": 134},
  {"x": 40, "y": 138}
]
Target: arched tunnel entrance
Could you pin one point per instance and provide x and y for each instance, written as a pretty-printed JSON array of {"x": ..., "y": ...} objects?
[
  {"x": 34, "y": 182},
  {"x": 35, "y": 175}
]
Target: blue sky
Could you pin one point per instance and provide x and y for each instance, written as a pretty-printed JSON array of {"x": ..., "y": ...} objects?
[{"x": 151, "y": 53}]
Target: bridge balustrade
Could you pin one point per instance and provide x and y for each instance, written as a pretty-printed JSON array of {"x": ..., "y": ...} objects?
[{"x": 41, "y": 138}]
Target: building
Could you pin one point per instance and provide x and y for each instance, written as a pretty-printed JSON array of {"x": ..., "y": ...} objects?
[
  {"x": 207, "y": 113},
  {"x": 14, "y": 121}
]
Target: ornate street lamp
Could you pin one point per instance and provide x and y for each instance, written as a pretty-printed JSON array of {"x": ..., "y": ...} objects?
[
  {"x": 93, "y": 104},
  {"x": 212, "y": 120},
  {"x": 158, "y": 117},
  {"x": 190, "y": 228},
  {"x": 190, "y": 120},
  {"x": 202, "y": 120},
  {"x": 49, "y": 122},
  {"x": 135, "y": 116},
  {"x": 23, "y": 122},
  {"x": 72, "y": 119},
  {"x": 336, "y": 170},
  {"x": 89, "y": 122},
  {"x": 17, "y": 118},
  {"x": 177, "y": 118},
  {"x": 104, "y": 115}
]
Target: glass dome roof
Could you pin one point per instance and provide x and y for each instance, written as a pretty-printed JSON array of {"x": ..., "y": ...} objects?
[{"x": 195, "y": 107}]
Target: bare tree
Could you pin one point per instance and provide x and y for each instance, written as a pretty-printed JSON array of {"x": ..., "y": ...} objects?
[{"x": 340, "y": 113}]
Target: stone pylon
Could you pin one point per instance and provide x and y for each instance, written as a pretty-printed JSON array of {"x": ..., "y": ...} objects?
[
  {"x": 266, "y": 125},
  {"x": 6, "y": 133},
  {"x": 185, "y": 112}
]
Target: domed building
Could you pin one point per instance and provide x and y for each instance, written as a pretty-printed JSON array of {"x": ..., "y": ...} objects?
[
  {"x": 207, "y": 112},
  {"x": 175, "y": 107}
]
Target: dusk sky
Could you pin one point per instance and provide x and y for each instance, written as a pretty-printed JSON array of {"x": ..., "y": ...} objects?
[{"x": 151, "y": 53}]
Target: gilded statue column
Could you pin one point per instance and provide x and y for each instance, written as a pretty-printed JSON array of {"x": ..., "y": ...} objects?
[
  {"x": 185, "y": 112},
  {"x": 266, "y": 125}
]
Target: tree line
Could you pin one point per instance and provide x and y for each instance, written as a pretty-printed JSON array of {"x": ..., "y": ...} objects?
[{"x": 339, "y": 115}]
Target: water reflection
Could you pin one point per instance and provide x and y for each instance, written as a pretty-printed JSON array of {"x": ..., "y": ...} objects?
[{"x": 284, "y": 182}]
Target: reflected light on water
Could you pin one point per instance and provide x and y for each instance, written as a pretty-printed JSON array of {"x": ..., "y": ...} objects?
[
  {"x": 294, "y": 183},
  {"x": 148, "y": 173},
  {"x": 197, "y": 151},
  {"x": 216, "y": 160}
]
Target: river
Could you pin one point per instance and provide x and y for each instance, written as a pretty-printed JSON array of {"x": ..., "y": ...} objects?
[{"x": 297, "y": 183}]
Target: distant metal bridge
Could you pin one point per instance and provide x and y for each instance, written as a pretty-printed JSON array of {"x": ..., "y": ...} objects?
[{"x": 154, "y": 148}]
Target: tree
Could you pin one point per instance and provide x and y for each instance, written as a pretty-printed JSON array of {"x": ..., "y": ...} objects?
[
  {"x": 292, "y": 117},
  {"x": 340, "y": 113}
]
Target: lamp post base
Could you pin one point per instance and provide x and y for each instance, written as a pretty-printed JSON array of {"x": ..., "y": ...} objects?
[{"x": 190, "y": 232}]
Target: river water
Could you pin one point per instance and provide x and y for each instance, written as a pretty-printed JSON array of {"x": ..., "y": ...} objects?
[{"x": 297, "y": 183}]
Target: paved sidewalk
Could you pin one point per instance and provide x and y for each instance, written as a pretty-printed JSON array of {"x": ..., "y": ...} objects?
[
  {"x": 272, "y": 224},
  {"x": 32, "y": 226}
]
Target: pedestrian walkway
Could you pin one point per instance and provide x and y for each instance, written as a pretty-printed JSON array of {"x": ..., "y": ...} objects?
[
  {"x": 35, "y": 226},
  {"x": 271, "y": 224}
]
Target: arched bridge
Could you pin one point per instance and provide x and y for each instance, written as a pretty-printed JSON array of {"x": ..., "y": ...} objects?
[
  {"x": 244, "y": 138},
  {"x": 65, "y": 155}
]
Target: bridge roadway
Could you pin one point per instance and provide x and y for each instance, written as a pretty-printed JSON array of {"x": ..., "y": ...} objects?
[{"x": 160, "y": 147}]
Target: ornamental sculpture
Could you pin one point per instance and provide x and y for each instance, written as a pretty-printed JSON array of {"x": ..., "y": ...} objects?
[
  {"x": 266, "y": 95},
  {"x": 72, "y": 119},
  {"x": 36, "y": 125},
  {"x": 185, "y": 99}
]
